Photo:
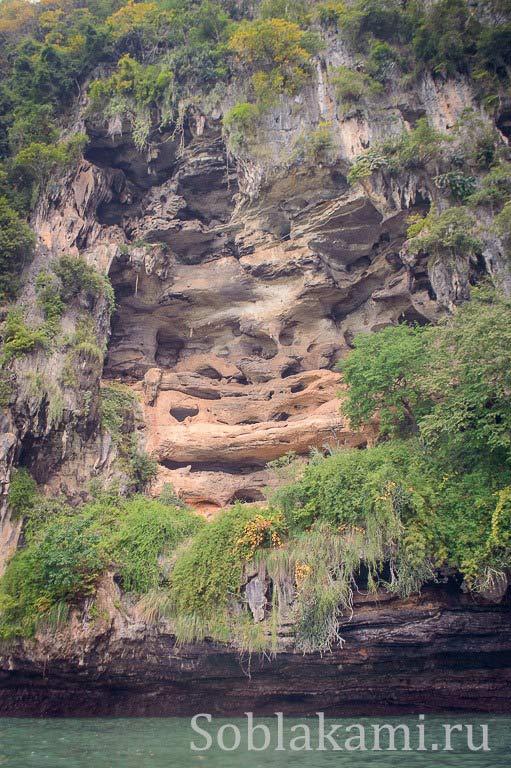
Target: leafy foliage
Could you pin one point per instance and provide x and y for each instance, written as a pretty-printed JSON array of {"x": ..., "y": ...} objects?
[
  {"x": 441, "y": 380},
  {"x": 207, "y": 575},
  {"x": 22, "y": 492},
  {"x": 447, "y": 234},
  {"x": 352, "y": 86},
  {"x": 240, "y": 122},
  {"x": 66, "y": 551},
  {"x": 16, "y": 244},
  {"x": 80, "y": 279},
  {"x": 276, "y": 53},
  {"x": 61, "y": 564},
  {"x": 148, "y": 532},
  {"x": 19, "y": 338},
  {"x": 383, "y": 373},
  {"x": 117, "y": 405}
]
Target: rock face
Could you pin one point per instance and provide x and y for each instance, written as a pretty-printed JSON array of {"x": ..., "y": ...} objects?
[
  {"x": 433, "y": 653},
  {"x": 213, "y": 436},
  {"x": 240, "y": 282}
]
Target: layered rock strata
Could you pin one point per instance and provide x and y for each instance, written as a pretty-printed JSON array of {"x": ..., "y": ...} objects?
[{"x": 434, "y": 653}]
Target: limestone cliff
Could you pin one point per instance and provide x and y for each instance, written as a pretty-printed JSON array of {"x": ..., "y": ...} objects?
[
  {"x": 241, "y": 276},
  {"x": 240, "y": 281}
]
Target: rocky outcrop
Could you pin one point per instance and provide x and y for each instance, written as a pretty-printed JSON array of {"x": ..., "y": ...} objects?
[
  {"x": 431, "y": 653},
  {"x": 214, "y": 436},
  {"x": 240, "y": 280}
]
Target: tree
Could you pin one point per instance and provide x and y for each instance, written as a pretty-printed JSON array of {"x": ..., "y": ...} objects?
[
  {"x": 276, "y": 52},
  {"x": 382, "y": 374},
  {"x": 450, "y": 383},
  {"x": 468, "y": 375}
]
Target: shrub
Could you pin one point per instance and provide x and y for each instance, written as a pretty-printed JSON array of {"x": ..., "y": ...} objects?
[
  {"x": 143, "y": 467},
  {"x": 457, "y": 183},
  {"x": 469, "y": 380},
  {"x": 330, "y": 13},
  {"x": 22, "y": 492},
  {"x": 61, "y": 565},
  {"x": 19, "y": 338},
  {"x": 415, "y": 148},
  {"x": 117, "y": 405},
  {"x": 79, "y": 278},
  {"x": 170, "y": 498},
  {"x": 207, "y": 575},
  {"x": 365, "y": 165},
  {"x": 147, "y": 534},
  {"x": 296, "y": 11},
  {"x": 36, "y": 164},
  {"x": 16, "y": 245},
  {"x": 49, "y": 296},
  {"x": 494, "y": 188},
  {"x": 445, "y": 235},
  {"x": 352, "y": 86},
  {"x": 502, "y": 222},
  {"x": 447, "y": 36},
  {"x": 7, "y": 387},
  {"x": 319, "y": 143},
  {"x": 277, "y": 54},
  {"x": 341, "y": 491},
  {"x": 131, "y": 93},
  {"x": 67, "y": 550},
  {"x": 382, "y": 62},
  {"x": 240, "y": 122},
  {"x": 383, "y": 372}
]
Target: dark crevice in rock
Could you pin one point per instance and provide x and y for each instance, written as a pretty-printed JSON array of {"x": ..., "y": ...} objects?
[
  {"x": 227, "y": 467},
  {"x": 168, "y": 349},
  {"x": 180, "y": 413},
  {"x": 291, "y": 370},
  {"x": 246, "y": 495},
  {"x": 209, "y": 373},
  {"x": 504, "y": 123}
]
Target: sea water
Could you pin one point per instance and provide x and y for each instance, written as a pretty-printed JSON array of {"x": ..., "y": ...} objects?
[{"x": 174, "y": 742}]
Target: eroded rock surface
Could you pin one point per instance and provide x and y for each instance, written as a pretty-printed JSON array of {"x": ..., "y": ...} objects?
[
  {"x": 430, "y": 653},
  {"x": 232, "y": 313}
]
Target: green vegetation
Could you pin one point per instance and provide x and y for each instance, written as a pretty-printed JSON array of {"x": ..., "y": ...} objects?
[
  {"x": 433, "y": 494},
  {"x": 72, "y": 279},
  {"x": 445, "y": 37},
  {"x": 22, "y": 492},
  {"x": 20, "y": 339},
  {"x": 407, "y": 151},
  {"x": 208, "y": 574},
  {"x": 118, "y": 403},
  {"x": 66, "y": 552},
  {"x": 145, "y": 538},
  {"x": 439, "y": 380},
  {"x": 119, "y": 407},
  {"x": 352, "y": 87},
  {"x": 390, "y": 359},
  {"x": 276, "y": 56},
  {"x": 80, "y": 279},
  {"x": 446, "y": 235},
  {"x": 435, "y": 491},
  {"x": 16, "y": 244},
  {"x": 240, "y": 122},
  {"x": 276, "y": 53},
  {"x": 143, "y": 468}
]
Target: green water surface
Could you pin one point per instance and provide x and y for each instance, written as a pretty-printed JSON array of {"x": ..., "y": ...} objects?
[{"x": 166, "y": 742}]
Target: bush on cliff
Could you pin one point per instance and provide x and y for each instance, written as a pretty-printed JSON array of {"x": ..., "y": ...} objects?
[
  {"x": 66, "y": 551},
  {"x": 16, "y": 245}
]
